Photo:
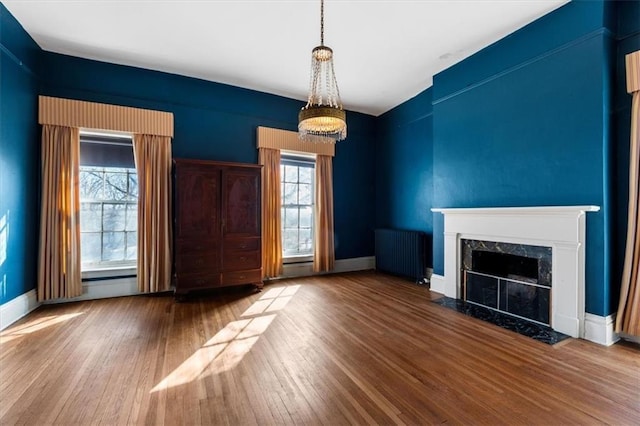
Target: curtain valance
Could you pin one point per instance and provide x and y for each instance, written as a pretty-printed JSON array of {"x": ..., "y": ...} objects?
[
  {"x": 288, "y": 141},
  {"x": 92, "y": 115}
]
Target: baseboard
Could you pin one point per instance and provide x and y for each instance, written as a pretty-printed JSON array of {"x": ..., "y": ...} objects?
[
  {"x": 599, "y": 329},
  {"x": 305, "y": 269},
  {"x": 103, "y": 289},
  {"x": 630, "y": 338},
  {"x": 355, "y": 264},
  {"x": 15, "y": 309},
  {"x": 437, "y": 283}
]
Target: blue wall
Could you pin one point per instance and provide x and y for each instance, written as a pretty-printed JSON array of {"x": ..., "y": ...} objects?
[
  {"x": 538, "y": 118},
  {"x": 212, "y": 121},
  {"x": 218, "y": 122},
  {"x": 19, "y": 159},
  {"x": 404, "y": 167},
  {"x": 526, "y": 121}
]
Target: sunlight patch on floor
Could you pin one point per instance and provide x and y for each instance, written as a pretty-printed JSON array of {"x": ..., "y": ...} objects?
[
  {"x": 228, "y": 347},
  {"x": 35, "y": 325}
]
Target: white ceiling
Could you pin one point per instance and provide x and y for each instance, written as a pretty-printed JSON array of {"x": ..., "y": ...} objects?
[{"x": 385, "y": 52}]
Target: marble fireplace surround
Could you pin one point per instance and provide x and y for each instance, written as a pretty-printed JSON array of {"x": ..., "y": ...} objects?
[{"x": 560, "y": 227}]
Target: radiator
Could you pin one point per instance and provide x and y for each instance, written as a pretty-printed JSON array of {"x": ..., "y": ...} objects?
[{"x": 400, "y": 252}]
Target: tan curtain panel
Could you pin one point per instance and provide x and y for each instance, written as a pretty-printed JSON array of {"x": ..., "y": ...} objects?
[
  {"x": 628, "y": 316},
  {"x": 288, "y": 141},
  {"x": 324, "y": 256},
  {"x": 271, "y": 217},
  {"x": 153, "y": 165},
  {"x": 59, "y": 274},
  {"x": 92, "y": 115}
]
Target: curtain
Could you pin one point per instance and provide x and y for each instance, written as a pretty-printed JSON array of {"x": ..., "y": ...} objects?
[
  {"x": 271, "y": 217},
  {"x": 59, "y": 272},
  {"x": 153, "y": 164},
  {"x": 628, "y": 316},
  {"x": 323, "y": 256}
]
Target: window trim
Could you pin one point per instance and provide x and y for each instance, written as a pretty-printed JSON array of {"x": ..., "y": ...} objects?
[{"x": 310, "y": 161}]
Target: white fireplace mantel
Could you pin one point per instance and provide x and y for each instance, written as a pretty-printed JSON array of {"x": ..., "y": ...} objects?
[{"x": 560, "y": 227}]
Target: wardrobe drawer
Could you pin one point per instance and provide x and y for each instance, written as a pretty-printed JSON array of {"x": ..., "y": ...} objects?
[
  {"x": 201, "y": 280},
  {"x": 198, "y": 262},
  {"x": 241, "y": 260},
  {"x": 242, "y": 277},
  {"x": 242, "y": 244},
  {"x": 195, "y": 246}
]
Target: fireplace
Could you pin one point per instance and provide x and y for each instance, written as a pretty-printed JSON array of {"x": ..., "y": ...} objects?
[
  {"x": 511, "y": 278},
  {"x": 554, "y": 289}
]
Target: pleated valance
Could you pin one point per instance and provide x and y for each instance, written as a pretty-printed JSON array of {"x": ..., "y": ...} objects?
[
  {"x": 633, "y": 71},
  {"x": 288, "y": 141},
  {"x": 92, "y": 115}
]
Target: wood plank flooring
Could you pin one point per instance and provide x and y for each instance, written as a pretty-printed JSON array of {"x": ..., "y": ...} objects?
[{"x": 360, "y": 348}]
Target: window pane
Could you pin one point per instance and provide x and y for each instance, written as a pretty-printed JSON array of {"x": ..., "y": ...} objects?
[
  {"x": 290, "y": 174},
  {"x": 290, "y": 194},
  {"x": 132, "y": 246},
  {"x": 113, "y": 246},
  {"x": 306, "y": 214},
  {"x": 90, "y": 217},
  {"x": 306, "y": 174},
  {"x": 90, "y": 247},
  {"x": 304, "y": 193},
  {"x": 115, "y": 187},
  {"x": 114, "y": 217},
  {"x": 291, "y": 218},
  {"x": 133, "y": 186},
  {"x": 290, "y": 241},
  {"x": 91, "y": 185},
  {"x": 305, "y": 241},
  {"x": 132, "y": 217}
]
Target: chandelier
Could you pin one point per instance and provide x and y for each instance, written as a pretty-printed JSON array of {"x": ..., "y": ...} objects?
[{"x": 322, "y": 119}]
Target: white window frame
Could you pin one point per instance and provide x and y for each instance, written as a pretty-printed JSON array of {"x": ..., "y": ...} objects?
[{"x": 306, "y": 157}]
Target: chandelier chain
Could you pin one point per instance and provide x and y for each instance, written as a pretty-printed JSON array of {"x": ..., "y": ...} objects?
[{"x": 321, "y": 22}]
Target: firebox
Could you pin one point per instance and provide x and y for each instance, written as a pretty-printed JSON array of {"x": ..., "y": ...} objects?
[{"x": 511, "y": 278}]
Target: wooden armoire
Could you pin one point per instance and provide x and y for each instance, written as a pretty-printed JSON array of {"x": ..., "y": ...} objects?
[{"x": 217, "y": 225}]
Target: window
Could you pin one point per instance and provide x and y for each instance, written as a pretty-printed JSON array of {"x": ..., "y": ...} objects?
[
  {"x": 108, "y": 201},
  {"x": 297, "y": 187}
]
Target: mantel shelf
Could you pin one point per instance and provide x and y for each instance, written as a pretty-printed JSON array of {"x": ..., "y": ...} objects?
[{"x": 542, "y": 210}]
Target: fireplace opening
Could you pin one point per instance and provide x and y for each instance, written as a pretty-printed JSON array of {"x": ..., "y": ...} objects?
[
  {"x": 505, "y": 265},
  {"x": 510, "y": 278}
]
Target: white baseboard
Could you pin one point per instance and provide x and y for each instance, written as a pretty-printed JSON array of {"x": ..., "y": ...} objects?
[
  {"x": 305, "y": 269},
  {"x": 15, "y": 309},
  {"x": 103, "y": 289},
  {"x": 437, "y": 283},
  {"x": 599, "y": 329}
]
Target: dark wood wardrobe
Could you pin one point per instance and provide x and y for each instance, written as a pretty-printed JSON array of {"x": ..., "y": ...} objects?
[{"x": 217, "y": 225}]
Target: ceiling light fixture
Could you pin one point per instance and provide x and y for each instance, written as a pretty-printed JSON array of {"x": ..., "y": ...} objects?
[{"x": 322, "y": 119}]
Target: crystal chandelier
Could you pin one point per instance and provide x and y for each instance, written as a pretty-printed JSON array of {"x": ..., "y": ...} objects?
[{"x": 322, "y": 119}]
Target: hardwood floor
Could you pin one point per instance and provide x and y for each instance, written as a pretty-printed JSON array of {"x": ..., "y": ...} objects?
[{"x": 361, "y": 348}]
